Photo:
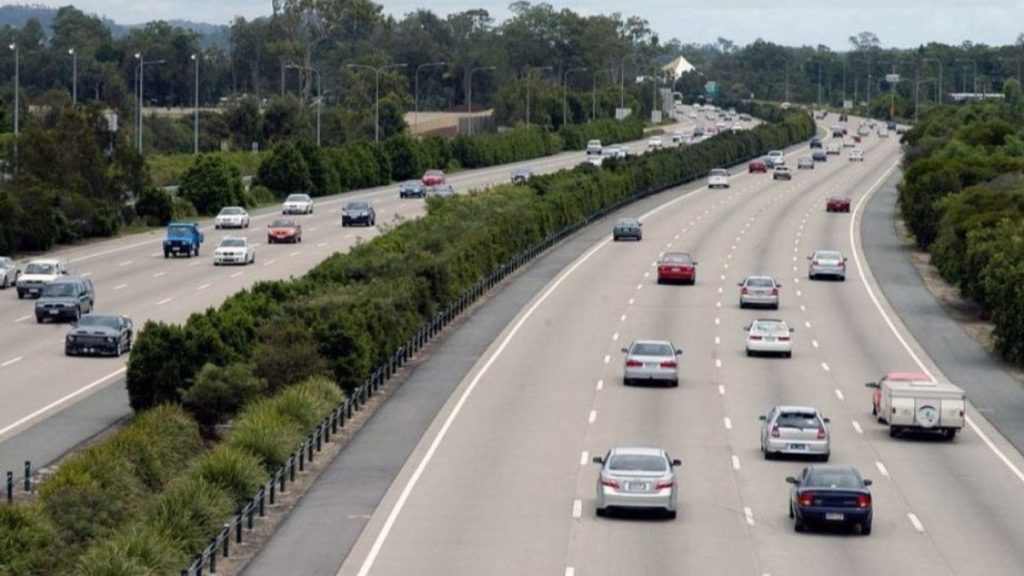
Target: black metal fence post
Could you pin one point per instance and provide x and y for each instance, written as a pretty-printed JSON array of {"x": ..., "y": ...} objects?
[
  {"x": 251, "y": 507},
  {"x": 309, "y": 445},
  {"x": 263, "y": 500},
  {"x": 28, "y": 476},
  {"x": 226, "y": 533},
  {"x": 273, "y": 490},
  {"x": 213, "y": 555},
  {"x": 302, "y": 459},
  {"x": 10, "y": 486},
  {"x": 238, "y": 525}
]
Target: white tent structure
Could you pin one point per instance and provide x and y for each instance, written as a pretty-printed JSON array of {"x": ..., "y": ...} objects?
[{"x": 678, "y": 67}]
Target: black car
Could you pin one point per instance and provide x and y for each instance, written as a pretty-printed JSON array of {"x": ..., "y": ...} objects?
[
  {"x": 358, "y": 213},
  {"x": 815, "y": 142},
  {"x": 65, "y": 299},
  {"x": 102, "y": 334},
  {"x": 412, "y": 189},
  {"x": 825, "y": 495}
]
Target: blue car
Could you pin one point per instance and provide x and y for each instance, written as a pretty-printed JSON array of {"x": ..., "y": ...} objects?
[{"x": 830, "y": 495}]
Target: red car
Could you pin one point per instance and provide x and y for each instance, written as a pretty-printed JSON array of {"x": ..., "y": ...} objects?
[
  {"x": 894, "y": 377},
  {"x": 433, "y": 178},
  {"x": 837, "y": 205},
  {"x": 677, "y": 267},
  {"x": 757, "y": 166},
  {"x": 284, "y": 230}
]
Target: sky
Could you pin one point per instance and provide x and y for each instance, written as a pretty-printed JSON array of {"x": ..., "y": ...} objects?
[{"x": 897, "y": 23}]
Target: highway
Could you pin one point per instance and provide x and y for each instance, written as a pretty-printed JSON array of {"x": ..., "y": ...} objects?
[
  {"x": 132, "y": 277},
  {"x": 502, "y": 482}
]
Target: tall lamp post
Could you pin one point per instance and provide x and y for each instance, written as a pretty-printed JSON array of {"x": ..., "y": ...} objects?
[
  {"x": 17, "y": 88},
  {"x": 195, "y": 113},
  {"x": 974, "y": 85},
  {"x": 917, "y": 90},
  {"x": 141, "y": 85},
  {"x": 469, "y": 94},
  {"x": 416, "y": 97},
  {"x": 593, "y": 90},
  {"x": 376, "y": 107},
  {"x": 1015, "y": 60},
  {"x": 529, "y": 71},
  {"x": 622, "y": 79},
  {"x": 74, "y": 76},
  {"x": 319, "y": 94},
  {"x": 939, "y": 64},
  {"x": 565, "y": 92}
]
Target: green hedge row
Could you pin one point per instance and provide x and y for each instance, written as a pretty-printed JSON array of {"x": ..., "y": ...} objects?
[
  {"x": 962, "y": 197},
  {"x": 353, "y": 310},
  {"x": 148, "y": 499}
]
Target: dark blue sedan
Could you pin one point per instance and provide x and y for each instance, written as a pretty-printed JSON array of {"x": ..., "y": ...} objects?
[{"x": 830, "y": 495}]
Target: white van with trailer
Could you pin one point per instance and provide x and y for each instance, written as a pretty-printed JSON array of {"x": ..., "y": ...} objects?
[{"x": 910, "y": 402}]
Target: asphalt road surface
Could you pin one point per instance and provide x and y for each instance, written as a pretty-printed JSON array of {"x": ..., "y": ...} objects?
[
  {"x": 42, "y": 414},
  {"x": 501, "y": 481}
]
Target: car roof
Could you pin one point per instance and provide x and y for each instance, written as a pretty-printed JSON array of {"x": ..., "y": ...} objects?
[
  {"x": 759, "y": 276},
  {"x": 793, "y": 408},
  {"x": 665, "y": 342},
  {"x": 637, "y": 450},
  {"x": 44, "y": 261},
  {"x": 908, "y": 376},
  {"x": 834, "y": 468}
]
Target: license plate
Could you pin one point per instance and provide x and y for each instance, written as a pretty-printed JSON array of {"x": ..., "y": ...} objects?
[
  {"x": 677, "y": 269},
  {"x": 651, "y": 365},
  {"x": 54, "y": 312},
  {"x": 798, "y": 446},
  {"x": 636, "y": 486},
  {"x": 769, "y": 338},
  {"x": 834, "y": 516}
]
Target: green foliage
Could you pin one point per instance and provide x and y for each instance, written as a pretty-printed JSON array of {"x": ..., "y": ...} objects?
[
  {"x": 168, "y": 169},
  {"x": 266, "y": 434},
  {"x": 286, "y": 354},
  {"x": 236, "y": 472},
  {"x": 220, "y": 392},
  {"x": 156, "y": 206},
  {"x": 136, "y": 551},
  {"x": 188, "y": 512},
  {"x": 30, "y": 543},
  {"x": 212, "y": 183},
  {"x": 259, "y": 196},
  {"x": 285, "y": 171}
]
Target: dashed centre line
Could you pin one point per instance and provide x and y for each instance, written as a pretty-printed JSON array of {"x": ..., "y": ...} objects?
[
  {"x": 748, "y": 514},
  {"x": 120, "y": 287},
  {"x": 11, "y": 361},
  {"x": 735, "y": 462},
  {"x": 22, "y": 319},
  {"x": 577, "y": 508},
  {"x": 600, "y": 384},
  {"x": 203, "y": 286},
  {"x": 584, "y": 458},
  {"x": 728, "y": 423},
  {"x": 916, "y": 522},
  {"x": 882, "y": 469},
  {"x": 164, "y": 301},
  {"x": 857, "y": 428},
  {"x": 607, "y": 358},
  {"x": 839, "y": 394},
  {"x": 593, "y": 416}
]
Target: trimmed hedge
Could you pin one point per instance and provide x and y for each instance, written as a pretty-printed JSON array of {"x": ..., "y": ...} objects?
[{"x": 357, "y": 308}]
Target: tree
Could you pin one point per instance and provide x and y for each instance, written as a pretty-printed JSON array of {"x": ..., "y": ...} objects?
[
  {"x": 155, "y": 206},
  {"x": 210, "y": 183},
  {"x": 865, "y": 41},
  {"x": 284, "y": 170},
  {"x": 221, "y": 392},
  {"x": 245, "y": 122}
]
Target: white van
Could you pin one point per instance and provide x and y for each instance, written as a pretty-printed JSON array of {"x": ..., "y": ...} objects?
[
  {"x": 914, "y": 402},
  {"x": 594, "y": 147}
]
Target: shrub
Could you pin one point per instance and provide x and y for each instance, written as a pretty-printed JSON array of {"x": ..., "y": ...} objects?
[
  {"x": 220, "y": 392},
  {"x": 284, "y": 171},
  {"x": 286, "y": 354},
  {"x": 259, "y": 196},
  {"x": 307, "y": 403},
  {"x": 266, "y": 434},
  {"x": 158, "y": 443},
  {"x": 188, "y": 512},
  {"x": 211, "y": 183},
  {"x": 237, "y": 472},
  {"x": 156, "y": 206},
  {"x": 135, "y": 551}
]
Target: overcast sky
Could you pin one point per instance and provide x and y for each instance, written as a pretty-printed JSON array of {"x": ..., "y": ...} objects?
[{"x": 899, "y": 23}]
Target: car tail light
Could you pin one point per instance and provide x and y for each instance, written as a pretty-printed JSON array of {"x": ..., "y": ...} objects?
[
  {"x": 662, "y": 484},
  {"x": 634, "y": 363},
  {"x": 610, "y": 482},
  {"x": 864, "y": 501},
  {"x": 821, "y": 432},
  {"x": 783, "y": 338},
  {"x": 815, "y": 262},
  {"x": 806, "y": 499},
  {"x": 752, "y": 337},
  {"x": 775, "y": 291},
  {"x": 775, "y": 431},
  {"x": 669, "y": 364},
  {"x": 744, "y": 291}
]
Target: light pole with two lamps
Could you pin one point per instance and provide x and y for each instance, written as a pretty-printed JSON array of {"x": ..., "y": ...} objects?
[
  {"x": 141, "y": 71},
  {"x": 565, "y": 92},
  {"x": 529, "y": 70},
  {"x": 469, "y": 95},
  {"x": 416, "y": 97},
  {"x": 376, "y": 107}
]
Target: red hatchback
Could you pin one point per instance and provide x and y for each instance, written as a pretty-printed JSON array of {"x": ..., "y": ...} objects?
[
  {"x": 677, "y": 267},
  {"x": 757, "y": 166},
  {"x": 433, "y": 178},
  {"x": 837, "y": 205}
]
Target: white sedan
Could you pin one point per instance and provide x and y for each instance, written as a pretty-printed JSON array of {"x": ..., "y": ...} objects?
[
  {"x": 231, "y": 217},
  {"x": 297, "y": 204},
  {"x": 654, "y": 143},
  {"x": 718, "y": 178},
  {"x": 856, "y": 155},
  {"x": 769, "y": 336},
  {"x": 234, "y": 250}
]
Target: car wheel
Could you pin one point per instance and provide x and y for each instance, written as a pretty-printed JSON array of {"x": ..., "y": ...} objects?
[
  {"x": 874, "y": 409},
  {"x": 798, "y": 526},
  {"x": 78, "y": 314},
  {"x": 824, "y": 457},
  {"x": 750, "y": 352},
  {"x": 601, "y": 512},
  {"x": 776, "y": 306},
  {"x": 790, "y": 509},
  {"x": 787, "y": 355},
  {"x": 894, "y": 431},
  {"x": 950, "y": 434},
  {"x": 5, "y": 283},
  {"x": 627, "y": 382},
  {"x": 270, "y": 239},
  {"x": 39, "y": 319},
  {"x": 674, "y": 383},
  {"x": 670, "y": 514},
  {"x": 21, "y": 295},
  {"x": 768, "y": 455},
  {"x": 865, "y": 528}
]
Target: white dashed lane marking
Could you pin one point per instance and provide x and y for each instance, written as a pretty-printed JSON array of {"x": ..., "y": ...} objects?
[
  {"x": 839, "y": 394},
  {"x": 11, "y": 361},
  {"x": 120, "y": 287},
  {"x": 584, "y": 458},
  {"x": 607, "y": 358},
  {"x": 164, "y": 301},
  {"x": 577, "y": 508},
  {"x": 916, "y": 522},
  {"x": 592, "y": 417},
  {"x": 728, "y": 423},
  {"x": 882, "y": 469},
  {"x": 22, "y": 319},
  {"x": 202, "y": 287},
  {"x": 735, "y": 462}
]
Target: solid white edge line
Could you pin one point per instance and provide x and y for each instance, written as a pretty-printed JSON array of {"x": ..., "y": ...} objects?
[
  {"x": 60, "y": 401},
  {"x": 892, "y": 327}
]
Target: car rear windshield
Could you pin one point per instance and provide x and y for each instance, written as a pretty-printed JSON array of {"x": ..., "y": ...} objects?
[
  {"x": 637, "y": 463},
  {"x": 678, "y": 258},
  {"x": 40, "y": 269},
  {"x": 98, "y": 320},
  {"x": 231, "y": 211},
  {"x": 828, "y": 255},
  {"x": 358, "y": 206},
  {"x": 60, "y": 290},
  {"x": 283, "y": 224},
  {"x": 719, "y": 172},
  {"x": 797, "y": 420},
  {"x": 652, "y": 349},
  {"x": 297, "y": 198},
  {"x": 833, "y": 479},
  {"x": 626, "y": 223},
  {"x": 760, "y": 282},
  {"x": 412, "y": 184},
  {"x": 233, "y": 243},
  {"x": 771, "y": 327}
]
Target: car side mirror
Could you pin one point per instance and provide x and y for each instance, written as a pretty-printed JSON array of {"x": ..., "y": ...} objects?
[
  {"x": 777, "y": 285},
  {"x": 871, "y": 385},
  {"x": 827, "y": 420},
  {"x": 625, "y": 350},
  {"x": 747, "y": 327},
  {"x": 791, "y": 480},
  {"x": 598, "y": 460},
  {"x": 677, "y": 462},
  {"x": 762, "y": 417},
  {"x": 791, "y": 330},
  {"x": 844, "y": 259},
  {"x": 695, "y": 263},
  {"x": 678, "y": 351},
  {"x": 868, "y": 482},
  {"x": 739, "y": 283},
  {"x": 808, "y": 257},
  {"x": 74, "y": 324}
]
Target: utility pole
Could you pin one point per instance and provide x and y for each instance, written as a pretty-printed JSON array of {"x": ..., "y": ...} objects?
[
  {"x": 529, "y": 71},
  {"x": 416, "y": 91},
  {"x": 470, "y": 94},
  {"x": 17, "y": 88},
  {"x": 376, "y": 107},
  {"x": 195, "y": 114},
  {"x": 74, "y": 77}
]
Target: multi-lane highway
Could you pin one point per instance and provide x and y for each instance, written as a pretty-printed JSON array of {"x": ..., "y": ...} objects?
[
  {"x": 502, "y": 481},
  {"x": 132, "y": 277}
]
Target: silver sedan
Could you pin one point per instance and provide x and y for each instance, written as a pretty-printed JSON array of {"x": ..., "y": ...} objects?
[
  {"x": 795, "y": 431},
  {"x": 759, "y": 291},
  {"x": 651, "y": 361},
  {"x": 637, "y": 478},
  {"x": 827, "y": 263},
  {"x": 9, "y": 272}
]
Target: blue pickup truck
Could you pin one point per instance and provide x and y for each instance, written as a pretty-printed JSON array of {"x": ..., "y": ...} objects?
[{"x": 183, "y": 238}]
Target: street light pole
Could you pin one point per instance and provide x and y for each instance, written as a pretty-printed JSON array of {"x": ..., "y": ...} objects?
[
  {"x": 74, "y": 76},
  {"x": 917, "y": 99},
  {"x": 416, "y": 97},
  {"x": 565, "y": 92},
  {"x": 376, "y": 107},
  {"x": 974, "y": 85},
  {"x": 939, "y": 63},
  {"x": 469, "y": 94},
  {"x": 529, "y": 71},
  {"x": 17, "y": 88},
  {"x": 593, "y": 91},
  {"x": 142, "y": 75},
  {"x": 195, "y": 114},
  {"x": 319, "y": 94}
]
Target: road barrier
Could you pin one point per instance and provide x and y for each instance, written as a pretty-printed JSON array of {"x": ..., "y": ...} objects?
[{"x": 11, "y": 483}]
